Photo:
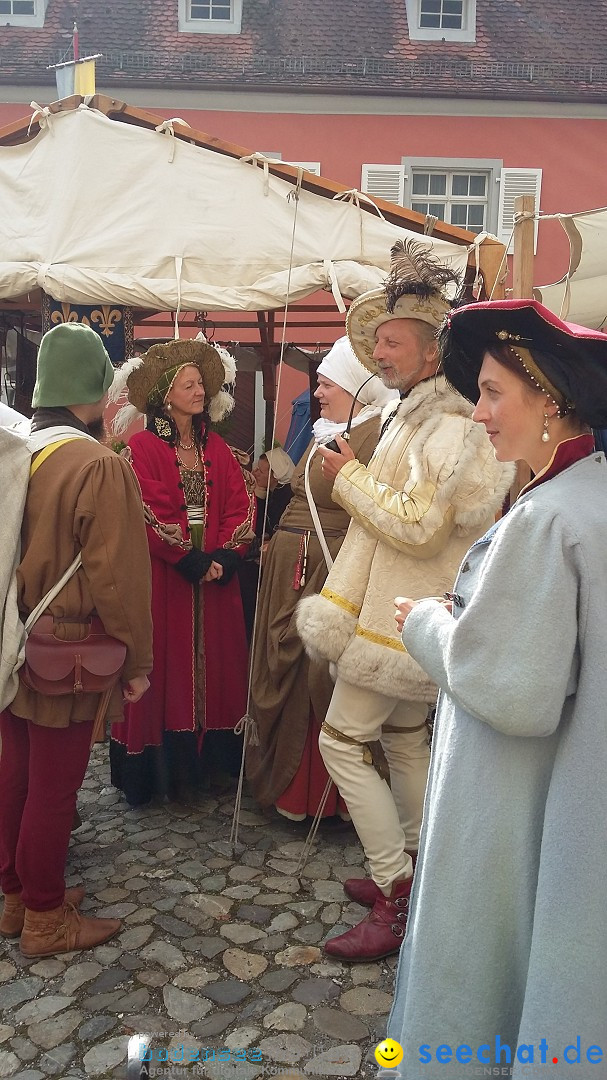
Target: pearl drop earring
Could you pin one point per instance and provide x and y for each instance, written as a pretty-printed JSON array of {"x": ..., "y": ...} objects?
[{"x": 545, "y": 432}]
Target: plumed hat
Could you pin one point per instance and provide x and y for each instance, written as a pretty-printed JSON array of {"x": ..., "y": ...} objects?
[
  {"x": 147, "y": 379},
  {"x": 568, "y": 361},
  {"x": 73, "y": 367},
  {"x": 415, "y": 289}
]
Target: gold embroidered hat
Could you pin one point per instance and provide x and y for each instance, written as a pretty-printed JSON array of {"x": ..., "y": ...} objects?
[
  {"x": 147, "y": 379},
  {"x": 415, "y": 289}
]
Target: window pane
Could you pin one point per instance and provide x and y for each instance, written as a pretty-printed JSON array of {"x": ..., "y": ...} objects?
[
  {"x": 460, "y": 184},
  {"x": 421, "y": 183},
  {"x": 23, "y": 7},
  {"x": 211, "y": 9},
  {"x": 478, "y": 185},
  {"x": 429, "y": 20},
  {"x": 459, "y": 214},
  {"x": 5, "y": 7},
  {"x": 200, "y": 11},
  {"x": 420, "y": 207},
  {"x": 452, "y": 7},
  {"x": 476, "y": 215},
  {"x": 438, "y": 183},
  {"x": 438, "y": 209},
  {"x": 430, "y": 7},
  {"x": 451, "y": 22}
]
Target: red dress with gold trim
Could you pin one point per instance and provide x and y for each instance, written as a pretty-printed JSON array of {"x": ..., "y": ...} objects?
[{"x": 199, "y": 679}]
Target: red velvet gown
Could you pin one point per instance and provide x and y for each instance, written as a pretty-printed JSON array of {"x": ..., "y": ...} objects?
[{"x": 199, "y": 678}]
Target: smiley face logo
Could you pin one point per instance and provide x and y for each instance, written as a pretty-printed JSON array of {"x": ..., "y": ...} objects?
[{"x": 389, "y": 1053}]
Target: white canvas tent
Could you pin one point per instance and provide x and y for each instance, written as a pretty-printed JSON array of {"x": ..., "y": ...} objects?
[
  {"x": 581, "y": 296},
  {"x": 95, "y": 211}
]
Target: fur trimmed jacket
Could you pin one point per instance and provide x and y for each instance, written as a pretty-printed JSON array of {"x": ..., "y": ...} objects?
[{"x": 432, "y": 487}]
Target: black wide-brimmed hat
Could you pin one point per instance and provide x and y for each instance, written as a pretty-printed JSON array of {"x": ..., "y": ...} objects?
[{"x": 572, "y": 358}]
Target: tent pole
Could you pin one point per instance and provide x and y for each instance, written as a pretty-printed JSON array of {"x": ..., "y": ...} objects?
[{"x": 522, "y": 281}]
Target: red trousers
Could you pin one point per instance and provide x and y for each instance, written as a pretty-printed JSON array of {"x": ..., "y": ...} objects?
[{"x": 41, "y": 771}]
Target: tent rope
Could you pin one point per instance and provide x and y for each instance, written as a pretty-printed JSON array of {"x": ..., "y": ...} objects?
[{"x": 247, "y": 724}]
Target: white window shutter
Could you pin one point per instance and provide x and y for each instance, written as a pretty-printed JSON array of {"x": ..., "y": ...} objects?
[
  {"x": 309, "y": 166},
  {"x": 384, "y": 182},
  {"x": 514, "y": 182}
]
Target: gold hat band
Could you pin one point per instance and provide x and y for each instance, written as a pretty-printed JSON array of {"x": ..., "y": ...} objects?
[{"x": 535, "y": 373}]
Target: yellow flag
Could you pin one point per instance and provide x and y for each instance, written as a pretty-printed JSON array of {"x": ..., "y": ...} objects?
[{"x": 84, "y": 82}]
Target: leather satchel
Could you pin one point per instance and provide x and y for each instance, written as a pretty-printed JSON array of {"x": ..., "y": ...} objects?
[{"x": 55, "y": 666}]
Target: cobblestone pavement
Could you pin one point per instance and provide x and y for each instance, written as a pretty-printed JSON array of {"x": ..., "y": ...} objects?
[{"x": 218, "y": 950}]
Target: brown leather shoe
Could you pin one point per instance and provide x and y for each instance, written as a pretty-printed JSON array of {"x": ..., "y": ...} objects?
[
  {"x": 364, "y": 890},
  {"x": 48, "y": 933},
  {"x": 380, "y": 933},
  {"x": 13, "y": 912}
]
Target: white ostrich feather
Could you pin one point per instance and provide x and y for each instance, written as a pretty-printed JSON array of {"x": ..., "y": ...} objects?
[
  {"x": 118, "y": 387},
  {"x": 125, "y": 416},
  {"x": 220, "y": 406}
]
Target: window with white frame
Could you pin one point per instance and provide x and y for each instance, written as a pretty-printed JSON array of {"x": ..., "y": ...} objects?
[
  {"x": 441, "y": 20},
  {"x": 474, "y": 194},
  {"x": 23, "y": 12},
  {"x": 210, "y": 16},
  {"x": 460, "y": 191}
]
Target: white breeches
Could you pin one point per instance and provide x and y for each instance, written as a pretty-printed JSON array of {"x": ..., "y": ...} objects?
[{"x": 387, "y": 818}]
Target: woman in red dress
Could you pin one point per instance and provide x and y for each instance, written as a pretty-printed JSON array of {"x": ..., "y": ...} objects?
[{"x": 200, "y": 521}]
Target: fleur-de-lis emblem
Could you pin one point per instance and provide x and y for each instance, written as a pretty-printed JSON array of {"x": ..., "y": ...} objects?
[
  {"x": 107, "y": 317},
  {"x": 66, "y": 315}
]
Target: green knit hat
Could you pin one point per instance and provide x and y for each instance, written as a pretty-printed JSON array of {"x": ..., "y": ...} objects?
[{"x": 73, "y": 367}]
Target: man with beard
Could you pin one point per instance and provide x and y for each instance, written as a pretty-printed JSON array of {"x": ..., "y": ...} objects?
[
  {"x": 82, "y": 498},
  {"x": 432, "y": 486}
]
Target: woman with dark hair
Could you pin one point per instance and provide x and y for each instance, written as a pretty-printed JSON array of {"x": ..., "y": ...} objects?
[
  {"x": 200, "y": 520},
  {"x": 504, "y": 961}
]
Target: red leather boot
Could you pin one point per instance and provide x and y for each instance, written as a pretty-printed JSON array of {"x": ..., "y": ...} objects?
[
  {"x": 364, "y": 890},
  {"x": 380, "y": 933}
]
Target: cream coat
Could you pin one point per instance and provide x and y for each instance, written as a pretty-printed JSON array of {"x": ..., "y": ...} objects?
[{"x": 432, "y": 486}]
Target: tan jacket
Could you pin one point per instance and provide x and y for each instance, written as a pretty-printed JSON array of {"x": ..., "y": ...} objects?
[
  {"x": 432, "y": 486},
  {"x": 85, "y": 497}
]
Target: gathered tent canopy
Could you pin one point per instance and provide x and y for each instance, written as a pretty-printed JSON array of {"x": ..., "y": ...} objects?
[
  {"x": 581, "y": 295},
  {"x": 95, "y": 211}
]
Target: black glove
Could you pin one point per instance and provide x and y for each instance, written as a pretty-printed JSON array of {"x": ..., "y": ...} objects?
[
  {"x": 228, "y": 560},
  {"x": 194, "y": 565}
]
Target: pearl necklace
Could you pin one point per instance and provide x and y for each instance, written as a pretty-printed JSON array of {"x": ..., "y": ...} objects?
[{"x": 191, "y": 468}]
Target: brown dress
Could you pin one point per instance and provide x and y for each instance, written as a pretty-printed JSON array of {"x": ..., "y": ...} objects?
[{"x": 288, "y": 691}]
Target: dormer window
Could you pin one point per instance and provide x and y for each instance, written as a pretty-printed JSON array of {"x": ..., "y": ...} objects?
[
  {"x": 22, "y": 12},
  {"x": 443, "y": 14},
  {"x": 210, "y": 16},
  {"x": 441, "y": 20}
]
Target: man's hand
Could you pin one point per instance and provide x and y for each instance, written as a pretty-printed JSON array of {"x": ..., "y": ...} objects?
[
  {"x": 333, "y": 462},
  {"x": 135, "y": 688},
  {"x": 214, "y": 572}
]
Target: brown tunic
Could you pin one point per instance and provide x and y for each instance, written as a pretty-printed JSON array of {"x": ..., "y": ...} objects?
[
  {"x": 84, "y": 497},
  {"x": 285, "y": 683}
]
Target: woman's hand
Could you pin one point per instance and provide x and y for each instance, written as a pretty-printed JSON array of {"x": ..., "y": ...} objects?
[
  {"x": 214, "y": 572},
  {"x": 404, "y": 606},
  {"x": 333, "y": 462}
]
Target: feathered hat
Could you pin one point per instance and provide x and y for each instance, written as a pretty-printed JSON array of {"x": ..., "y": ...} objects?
[
  {"x": 146, "y": 380},
  {"x": 415, "y": 289}
]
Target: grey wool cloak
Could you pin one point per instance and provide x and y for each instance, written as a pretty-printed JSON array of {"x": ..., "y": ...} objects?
[{"x": 507, "y": 937}]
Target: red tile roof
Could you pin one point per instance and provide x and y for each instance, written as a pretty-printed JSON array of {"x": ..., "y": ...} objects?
[{"x": 525, "y": 49}]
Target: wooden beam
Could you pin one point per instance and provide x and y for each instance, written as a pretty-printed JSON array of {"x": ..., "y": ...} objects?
[
  {"x": 524, "y": 234},
  {"x": 522, "y": 281}
]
